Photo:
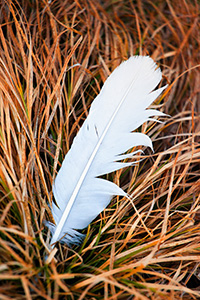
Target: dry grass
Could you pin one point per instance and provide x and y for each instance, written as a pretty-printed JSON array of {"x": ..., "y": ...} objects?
[{"x": 146, "y": 249}]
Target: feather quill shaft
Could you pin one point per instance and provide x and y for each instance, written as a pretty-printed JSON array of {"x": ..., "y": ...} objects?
[{"x": 83, "y": 196}]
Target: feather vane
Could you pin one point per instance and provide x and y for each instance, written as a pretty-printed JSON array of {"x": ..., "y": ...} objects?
[{"x": 101, "y": 145}]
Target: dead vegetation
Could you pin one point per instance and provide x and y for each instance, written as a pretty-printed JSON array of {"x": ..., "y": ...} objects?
[{"x": 54, "y": 57}]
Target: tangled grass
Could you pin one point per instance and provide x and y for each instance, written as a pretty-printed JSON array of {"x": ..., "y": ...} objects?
[{"x": 54, "y": 58}]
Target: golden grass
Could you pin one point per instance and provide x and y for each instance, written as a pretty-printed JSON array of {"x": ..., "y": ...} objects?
[{"x": 146, "y": 248}]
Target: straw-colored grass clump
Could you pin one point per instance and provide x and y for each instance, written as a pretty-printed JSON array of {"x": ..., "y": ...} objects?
[{"x": 54, "y": 57}]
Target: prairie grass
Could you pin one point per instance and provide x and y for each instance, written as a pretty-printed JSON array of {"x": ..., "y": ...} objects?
[{"x": 54, "y": 57}]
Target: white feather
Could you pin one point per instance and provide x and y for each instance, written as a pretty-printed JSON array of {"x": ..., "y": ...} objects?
[{"x": 97, "y": 149}]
